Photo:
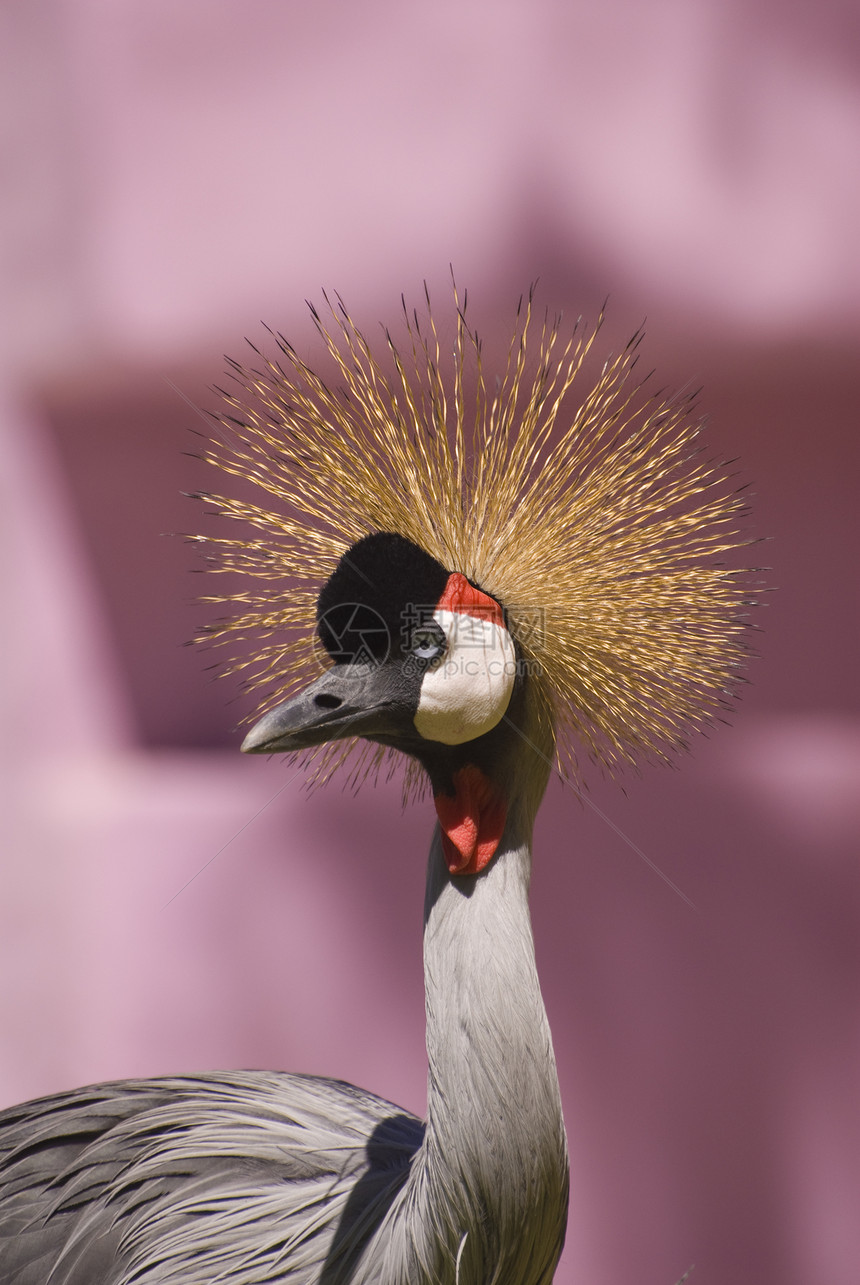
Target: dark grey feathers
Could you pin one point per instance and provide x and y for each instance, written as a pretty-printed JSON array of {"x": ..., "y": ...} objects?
[{"x": 240, "y": 1178}]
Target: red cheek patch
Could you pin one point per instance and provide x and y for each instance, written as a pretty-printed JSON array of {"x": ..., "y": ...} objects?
[
  {"x": 461, "y": 596},
  {"x": 472, "y": 821}
]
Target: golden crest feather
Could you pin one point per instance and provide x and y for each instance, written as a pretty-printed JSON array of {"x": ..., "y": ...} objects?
[{"x": 593, "y": 517}]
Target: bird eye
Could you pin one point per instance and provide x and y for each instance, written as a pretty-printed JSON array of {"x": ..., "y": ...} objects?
[{"x": 428, "y": 641}]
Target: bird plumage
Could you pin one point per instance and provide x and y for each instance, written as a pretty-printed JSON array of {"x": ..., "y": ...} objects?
[
  {"x": 237, "y": 1177},
  {"x": 567, "y": 562}
]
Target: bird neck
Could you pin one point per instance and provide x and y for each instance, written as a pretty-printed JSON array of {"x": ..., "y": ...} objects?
[{"x": 492, "y": 1174}]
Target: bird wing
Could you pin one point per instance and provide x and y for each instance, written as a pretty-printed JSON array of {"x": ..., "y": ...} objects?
[{"x": 237, "y": 1177}]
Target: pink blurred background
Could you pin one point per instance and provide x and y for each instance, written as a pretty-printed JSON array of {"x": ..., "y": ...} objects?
[{"x": 173, "y": 174}]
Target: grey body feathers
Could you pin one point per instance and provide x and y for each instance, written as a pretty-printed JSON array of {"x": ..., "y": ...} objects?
[
  {"x": 240, "y": 1177},
  {"x": 252, "y": 1177}
]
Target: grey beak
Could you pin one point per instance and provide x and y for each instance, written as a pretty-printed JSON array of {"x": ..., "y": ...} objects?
[{"x": 347, "y": 700}]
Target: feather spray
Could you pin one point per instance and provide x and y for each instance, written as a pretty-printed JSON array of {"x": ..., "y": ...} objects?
[{"x": 587, "y": 508}]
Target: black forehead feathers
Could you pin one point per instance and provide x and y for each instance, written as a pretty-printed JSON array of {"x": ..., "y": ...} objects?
[{"x": 367, "y": 603}]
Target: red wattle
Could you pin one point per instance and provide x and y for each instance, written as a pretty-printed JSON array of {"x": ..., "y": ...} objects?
[{"x": 472, "y": 821}]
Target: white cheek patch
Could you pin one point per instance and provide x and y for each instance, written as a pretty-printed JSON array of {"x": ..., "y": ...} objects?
[{"x": 468, "y": 691}]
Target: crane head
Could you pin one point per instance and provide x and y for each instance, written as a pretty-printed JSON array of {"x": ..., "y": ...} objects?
[
  {"x": 550, "y": 553},
  {"x": 423, "y": 662}
]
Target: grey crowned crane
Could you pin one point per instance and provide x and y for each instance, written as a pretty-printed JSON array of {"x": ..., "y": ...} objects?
[{"x": 489, "y": 577}]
